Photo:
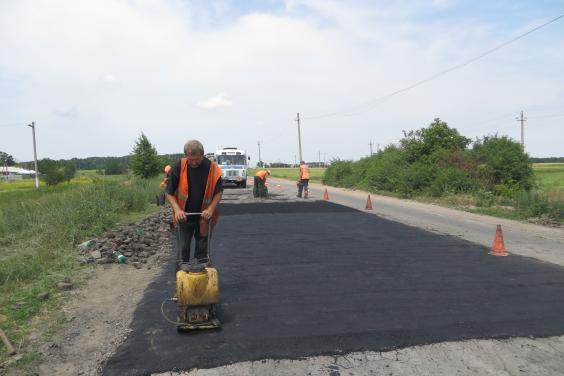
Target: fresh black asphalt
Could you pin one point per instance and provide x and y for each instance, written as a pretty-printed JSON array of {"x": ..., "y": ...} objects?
[{"x": 312, "y": 278}]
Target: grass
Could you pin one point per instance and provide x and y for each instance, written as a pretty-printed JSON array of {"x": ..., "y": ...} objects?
[
  {"x": 39, "y": 230},
  {"x": 550, "y": 177},
  {"x": 292, "y": 173}
]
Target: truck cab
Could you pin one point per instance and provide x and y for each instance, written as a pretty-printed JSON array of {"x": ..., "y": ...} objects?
[{"x": 234, "y": 163}]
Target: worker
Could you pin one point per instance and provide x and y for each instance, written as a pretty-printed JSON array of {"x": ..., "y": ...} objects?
[
  {"x": 165, "y": 179},
  {"x": 161, "y": 198},
  {"x": 259, "y": 188},
  {"x": 303, "y": 181},
  {"x": 194, "y": 186}
]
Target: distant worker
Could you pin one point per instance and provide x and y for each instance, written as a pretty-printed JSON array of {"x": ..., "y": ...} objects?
[
  {"x": 162, "y": 185},
  {"x": 259, "y": 188},
  {"x": 194, "y": 186},
  {"x": 165, "y": 180},
  {"x": 303, "y": 181}
]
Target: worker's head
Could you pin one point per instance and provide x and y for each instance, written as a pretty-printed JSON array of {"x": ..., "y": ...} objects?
[
  {"x": 194, "y": 153},
  {"x": 268, "y": 172},
  {"x": 302, "y": 162},
  {"x": 167, "y": 169}
]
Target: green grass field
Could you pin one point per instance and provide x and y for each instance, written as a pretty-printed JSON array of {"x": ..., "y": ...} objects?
[
  {"x": 550, "y": 177},
  {"x": 292, "y": 173}
]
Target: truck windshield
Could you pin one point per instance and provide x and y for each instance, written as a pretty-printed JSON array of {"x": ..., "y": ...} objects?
[{"x": 231, "y": 160}]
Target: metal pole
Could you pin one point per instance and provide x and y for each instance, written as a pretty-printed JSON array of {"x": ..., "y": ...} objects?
[
  {"x": 32, "y": 125},
  {"x": 299, "y": 137},
  {"x": 522, "y": 119},
  {"x": 258, "y": 143}
]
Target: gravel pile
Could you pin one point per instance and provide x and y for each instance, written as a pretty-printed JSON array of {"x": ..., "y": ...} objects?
[{"x": 147, "y": 239}]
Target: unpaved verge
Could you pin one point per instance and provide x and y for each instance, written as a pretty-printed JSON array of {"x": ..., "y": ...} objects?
[
  {"x": 518, "y": 356},
  {"x": 99, "y": 314}
]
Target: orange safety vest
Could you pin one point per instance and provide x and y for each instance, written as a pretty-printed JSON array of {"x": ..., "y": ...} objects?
[
  {"x": 262, "y": 174},
  {"x": 182, "y": 190},
  {"x": 304, "y": 171}
]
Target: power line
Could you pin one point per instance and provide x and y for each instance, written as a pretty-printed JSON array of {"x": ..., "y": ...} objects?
[{"x": 370, "y": 104}]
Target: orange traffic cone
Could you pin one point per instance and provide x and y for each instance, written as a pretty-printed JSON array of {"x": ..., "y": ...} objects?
[
  {"x": 498, "y": 247},
  {"x": 368, "y": 203},
  {"x": 326, "y": 195}
]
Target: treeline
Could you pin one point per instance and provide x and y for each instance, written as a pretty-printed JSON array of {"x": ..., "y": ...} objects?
[
  {"x": 104, "y": 165},
  {"x": 547, "y": 160},
  {"x": 438, "y": 161}
]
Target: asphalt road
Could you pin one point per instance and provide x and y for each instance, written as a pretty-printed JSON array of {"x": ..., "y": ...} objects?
[
  {"x": 303, "y": 278},
  {"x": 526, "y": 239}
]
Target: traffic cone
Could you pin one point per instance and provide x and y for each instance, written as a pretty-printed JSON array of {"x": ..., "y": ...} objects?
[
  {"x": 326, "y": 195},
  {"x": 368, "y": 203},
  {"x": 498, "y": 247}
]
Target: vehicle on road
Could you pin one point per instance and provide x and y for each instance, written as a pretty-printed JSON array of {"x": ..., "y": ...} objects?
[{"x": 234, "y": 164}]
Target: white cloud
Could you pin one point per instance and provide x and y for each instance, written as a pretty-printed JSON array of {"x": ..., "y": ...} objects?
[{"x": 217, "y": 101}]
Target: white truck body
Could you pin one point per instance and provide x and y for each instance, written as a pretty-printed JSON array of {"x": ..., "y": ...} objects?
[{"x": 234, "y": 164}]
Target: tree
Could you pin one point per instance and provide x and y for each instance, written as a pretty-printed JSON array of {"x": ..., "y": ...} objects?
[
  {"x": 6, "y": 159},
  {"x": 428, "y": 142},
  {"x": 114, "y": 167},
  {"x": 69, "y": 169},
  {"x": 53, "y": 172},
  {"x": 145, "y": 162}
]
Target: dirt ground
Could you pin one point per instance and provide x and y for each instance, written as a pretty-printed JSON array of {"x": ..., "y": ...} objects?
[{"x": 99, "y": 315}]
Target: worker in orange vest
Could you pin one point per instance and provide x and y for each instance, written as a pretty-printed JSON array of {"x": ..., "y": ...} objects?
[
  {"x": 161, "y": 196},
  {"x": 165, "y": 179},
  {"x": 194, "y": 186},
  {"x": 259, "y": 188},
  {"x": 303, "y": 181}
]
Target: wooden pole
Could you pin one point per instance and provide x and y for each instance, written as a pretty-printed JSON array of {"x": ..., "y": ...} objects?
[{"x": 9, "y": 347}]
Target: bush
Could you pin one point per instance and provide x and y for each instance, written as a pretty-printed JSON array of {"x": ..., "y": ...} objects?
[
  {"x": 503, "y": 162},
  {"x": 384, "y": 170},
  {"x": 339, "y": 174},
  {"x": 115, "y": 167},
  {"x": 450, "y": 180}
]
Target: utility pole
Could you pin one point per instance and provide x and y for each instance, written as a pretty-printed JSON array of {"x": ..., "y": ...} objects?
[
  {"x": 32, "y": 125},
  {"x": 299, "y": 137},
  {"x": 319, "y": 159},
  {"x": 371, "y": 147},
  {"x": 522, "y": 119},
  {"x": 295, "y": 160},
  {"x": 260, "y": 164}
]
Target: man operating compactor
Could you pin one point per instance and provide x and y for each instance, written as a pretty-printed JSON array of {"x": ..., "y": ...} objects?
[{"x": 194, "y": 186}]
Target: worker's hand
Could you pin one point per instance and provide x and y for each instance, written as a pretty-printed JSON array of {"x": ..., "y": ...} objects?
[
  {"x": 207, "y": 214},
  {"x": 179, "y": 216}
]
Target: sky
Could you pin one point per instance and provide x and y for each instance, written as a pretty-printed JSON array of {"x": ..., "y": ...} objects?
[{"x": 93, "y": 75}]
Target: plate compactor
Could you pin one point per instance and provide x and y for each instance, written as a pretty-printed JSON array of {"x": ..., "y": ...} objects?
[{"x": 197, "y": 291}]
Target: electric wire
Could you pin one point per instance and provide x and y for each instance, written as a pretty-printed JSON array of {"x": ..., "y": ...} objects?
[{"x": 373, "y": 103}]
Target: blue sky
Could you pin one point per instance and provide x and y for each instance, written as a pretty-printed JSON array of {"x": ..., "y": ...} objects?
[{"x": 95, "y": 74}]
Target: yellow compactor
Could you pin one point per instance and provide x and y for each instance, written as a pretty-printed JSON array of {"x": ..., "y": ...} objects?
[{"x": 197, "y": 293}]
